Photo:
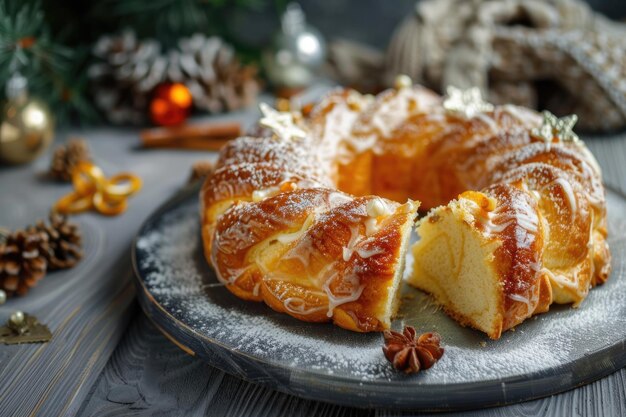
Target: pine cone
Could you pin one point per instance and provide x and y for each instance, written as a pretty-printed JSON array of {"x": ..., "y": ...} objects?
[
  {"x": 129, "y": 70},
  {"x": 22, "y": 261},
  {"x": 64, "y": 242},
  {"x": 66, "y": 157},
  {"x": 125, "y": 76},
  {"x": 213, "y": 74}
]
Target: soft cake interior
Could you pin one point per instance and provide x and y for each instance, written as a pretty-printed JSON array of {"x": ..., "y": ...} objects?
[{"x": 455, "y": 263}]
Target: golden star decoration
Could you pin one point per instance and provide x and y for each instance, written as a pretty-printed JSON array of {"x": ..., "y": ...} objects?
[
  {"x": 281, "y": 123},
  {"x": 553, "y": 127},
  {"x": 468, "y": 102}
]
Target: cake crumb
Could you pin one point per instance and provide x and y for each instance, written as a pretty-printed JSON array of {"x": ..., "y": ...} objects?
[{"x": 483, "y": 344}]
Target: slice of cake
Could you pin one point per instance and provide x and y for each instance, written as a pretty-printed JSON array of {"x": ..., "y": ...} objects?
[{"x": 480, "y": 257}]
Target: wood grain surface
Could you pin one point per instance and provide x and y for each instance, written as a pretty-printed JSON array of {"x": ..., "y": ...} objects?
[
  {"x": 149, "y": 376},
  {"x": 87, "y": 308},
  {"x": 85, "y": 370}
]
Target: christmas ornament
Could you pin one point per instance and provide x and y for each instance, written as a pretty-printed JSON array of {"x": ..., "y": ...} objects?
[
  {"x": 23, "y": 261},
  {"x": 553, "y": 127},
  {"x": 66, "y": 157},
  {"x": 467, "y": 103},
  {"x": 92, "y": 190},
  {"x": 296, "y": 53},
  {"x": 128, "y": 71},
  {"x": 27, "y": 127},
  {"x": 171, "y": 104},
  {"x": 16, "y": 321},
  {"x": 282, "y": 124},
  {"x": 24, "y": 328},
  {"x": 64, "y": 242}
]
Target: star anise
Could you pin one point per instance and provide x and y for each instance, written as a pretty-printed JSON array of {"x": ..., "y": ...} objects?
[{"x": 409, "y": 353}]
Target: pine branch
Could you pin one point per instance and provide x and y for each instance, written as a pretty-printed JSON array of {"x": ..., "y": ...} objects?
[
  {"x": 169, "y": 20},
  {"x": 27, "y": 47}
]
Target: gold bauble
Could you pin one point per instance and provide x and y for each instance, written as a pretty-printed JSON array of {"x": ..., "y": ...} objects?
[{"x": 26, "y": 131}]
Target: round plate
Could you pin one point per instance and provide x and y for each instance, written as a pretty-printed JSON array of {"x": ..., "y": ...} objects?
[{"x": 550, "y": 353}]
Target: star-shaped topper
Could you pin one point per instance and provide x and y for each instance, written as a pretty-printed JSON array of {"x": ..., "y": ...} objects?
[
  {"x": 468, "y": 102},
  {"x": 552, "y": 127},
  {"x": 281, "y": 123}
]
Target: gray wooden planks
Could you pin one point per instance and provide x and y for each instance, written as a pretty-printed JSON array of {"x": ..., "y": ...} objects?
[
  {"x": 160, "y": 379},
  {"x": 88, "y": 307},
  {"x": 150, "y": 376}
]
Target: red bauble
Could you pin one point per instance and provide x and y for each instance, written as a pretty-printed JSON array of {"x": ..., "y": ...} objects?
[{"x": 171, "y": 104}]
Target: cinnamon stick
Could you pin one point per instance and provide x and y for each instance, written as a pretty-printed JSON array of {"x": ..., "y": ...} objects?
[{"x": 207, "y": 136}]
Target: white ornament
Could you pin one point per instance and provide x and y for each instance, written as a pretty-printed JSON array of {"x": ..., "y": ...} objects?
[
  {"x": 17, "y": 318},
  {"x": 468, "y": 102},
  {"x": 553, "y": 127},
  {"x": 281, "y": 123}
]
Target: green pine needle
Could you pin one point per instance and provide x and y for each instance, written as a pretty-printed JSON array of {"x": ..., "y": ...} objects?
[{"x": 27, "y": 47}]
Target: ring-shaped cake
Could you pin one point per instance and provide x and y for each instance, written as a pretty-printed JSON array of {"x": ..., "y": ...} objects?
[{"x": 313, "y": 215}]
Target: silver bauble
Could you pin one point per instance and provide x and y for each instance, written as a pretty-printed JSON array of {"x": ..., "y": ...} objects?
[{"x": 296, "y": 53}]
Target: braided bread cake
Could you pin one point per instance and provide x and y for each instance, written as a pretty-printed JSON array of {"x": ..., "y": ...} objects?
[{"x": 306, "y": 217}]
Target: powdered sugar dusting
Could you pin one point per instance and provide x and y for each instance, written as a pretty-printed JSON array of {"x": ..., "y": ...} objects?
[{"x": 171, "y": 265}]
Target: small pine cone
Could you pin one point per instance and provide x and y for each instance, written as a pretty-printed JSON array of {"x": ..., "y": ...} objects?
[
  {"x": 127, "y": 70},
  {"x": 200, "y": 170},
  {"x": 123, "y": 76},
  {"x": 22, "y": 261},
  {"x": 64, "y": 242},
  {"x": 213, "y": 73},
  {"x": 66, "y": 157}
]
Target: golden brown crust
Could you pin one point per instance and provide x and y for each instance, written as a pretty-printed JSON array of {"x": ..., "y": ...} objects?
[
  {"x": 324, "y": 266},
  {"x": 400, "y": 145}
]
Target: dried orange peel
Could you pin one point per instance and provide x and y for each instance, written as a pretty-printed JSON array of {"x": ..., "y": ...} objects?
[{"x": 93, "y": 190}]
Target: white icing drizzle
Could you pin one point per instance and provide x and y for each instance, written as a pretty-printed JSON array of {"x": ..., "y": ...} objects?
[
  {"x": 485, "y": 219},
  {"x": 368, "y": 253},
  {"x": 377, "y": 207},
  {"x": 297, "y": 305},
  {"x": 335, "y": 301},
  {"x": 562, "y": 281},
  {"x": 530, "y": 302},
  {"x": 371, "y": 226},
  {"x": 525, "y": 220},
  {"x": 351, "y": 246},
  {"x": 520, "y": 298},
  {"x": 233, "y": 274}
]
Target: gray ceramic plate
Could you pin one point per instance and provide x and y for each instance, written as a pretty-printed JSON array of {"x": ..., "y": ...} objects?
[{"x": 548, "y": 354}]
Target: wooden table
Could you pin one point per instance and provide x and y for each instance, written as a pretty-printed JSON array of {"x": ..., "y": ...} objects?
[{"x": 106, "y": 358}]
